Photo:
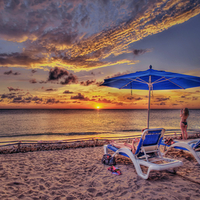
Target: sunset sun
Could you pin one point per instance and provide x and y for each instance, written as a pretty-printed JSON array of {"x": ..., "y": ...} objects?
[{"x": 97, "y": 107}]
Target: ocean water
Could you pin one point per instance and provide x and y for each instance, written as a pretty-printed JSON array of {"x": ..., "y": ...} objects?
[{"x": 34, "y": 125}]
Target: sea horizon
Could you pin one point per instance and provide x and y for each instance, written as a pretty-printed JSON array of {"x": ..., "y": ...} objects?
[{"x": 95, "y": 109}]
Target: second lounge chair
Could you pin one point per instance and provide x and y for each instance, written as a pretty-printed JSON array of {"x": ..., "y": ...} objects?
[{"x": 192, "y": 146}]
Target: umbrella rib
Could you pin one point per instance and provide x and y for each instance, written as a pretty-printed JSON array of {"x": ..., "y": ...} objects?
[
  {"x": 168, "y": 79},
  {"x": 175, "y": 84},
  {"x": 141, "y": 80},
  {"x": 136, "y": 79},
  {"x": 160, "y": 80}
]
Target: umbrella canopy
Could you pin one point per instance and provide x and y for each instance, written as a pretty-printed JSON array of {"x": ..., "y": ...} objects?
[{"x": 153, "y": 80}]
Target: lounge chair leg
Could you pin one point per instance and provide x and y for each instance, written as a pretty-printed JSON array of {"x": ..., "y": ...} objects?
[{"x": 105, "y": 149}]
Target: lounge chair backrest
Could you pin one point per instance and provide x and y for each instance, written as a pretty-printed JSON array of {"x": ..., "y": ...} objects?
[
  {"x": 150, "y": 138},
  {"x": 194, "y": 146}
]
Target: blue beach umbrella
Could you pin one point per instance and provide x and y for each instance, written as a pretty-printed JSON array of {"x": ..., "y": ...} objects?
[{"x": 153, "y": 80}]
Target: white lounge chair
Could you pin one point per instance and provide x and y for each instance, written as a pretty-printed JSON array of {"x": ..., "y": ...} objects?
[
  {"x": 147, "y": 153},
  {"x": 192, "y": 146}
]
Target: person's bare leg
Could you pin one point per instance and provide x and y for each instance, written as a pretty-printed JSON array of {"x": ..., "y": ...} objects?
[
  {"x": 135, "y": 140},
  {"x": 127, "y": 145},
  {"x": 115, "y": 144},
  {"x": 186, "y": 134},
  {"x": 112, "y": 142},
  {"x": 182, "y": 130},
  {"x": 133, "y": 146}
]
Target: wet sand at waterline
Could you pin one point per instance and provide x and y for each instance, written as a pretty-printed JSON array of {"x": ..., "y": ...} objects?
[{"x": 77, "y": 173}]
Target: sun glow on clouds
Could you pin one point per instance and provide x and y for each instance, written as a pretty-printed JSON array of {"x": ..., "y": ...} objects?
[
  {"x": 80, "y": 36},
  {"x": 73, "y": 41}
]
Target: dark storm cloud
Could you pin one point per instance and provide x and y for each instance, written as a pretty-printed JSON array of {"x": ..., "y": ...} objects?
[
  {"x": 161, "y": 99},
  {"x": 96, "y": 96},
  {"x": 180, "y": 101},
  {"x": 8, "y": 96},
  {"x": 20, "y": 97},
  {"x": 99, "y": 100},
  {"x": 134, "y": 98},
  {"x": 52, "y": 101},
  {"x": 18, "y": 100},
  {"x": 33, "y": 81},
  {"x": 70, "y": 79},
  {"x": 57, "y": 73},
  {"x": 33, "y": 71},
  {"x": 67, "y": 92},
  {"x": 60, "y": 73},
  {"x": 80, "y": 97},
  {"x": 11, "y": 72},
  {"x": 36, "y": 98},
  {"x": 138, "y": 52},
  {"x": 13, "y": 89},
  {"x": 88, "y": 82},
  {"x": 28, "y": 98},
  {"x": 16, "y": 73},
  {"x": 8, "y": 73},
  {"x": 42, "y": 82},
  {"x": 50, "y": 90}
]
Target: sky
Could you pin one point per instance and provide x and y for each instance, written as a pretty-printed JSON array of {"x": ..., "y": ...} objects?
[{"x": 55, "y": 54}]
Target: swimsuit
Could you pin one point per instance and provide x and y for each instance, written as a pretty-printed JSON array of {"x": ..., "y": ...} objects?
[{"x": 185, "y": 123}]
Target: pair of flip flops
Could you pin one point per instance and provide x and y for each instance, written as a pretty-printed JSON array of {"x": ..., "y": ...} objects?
[{"x": 115, "y": 170}]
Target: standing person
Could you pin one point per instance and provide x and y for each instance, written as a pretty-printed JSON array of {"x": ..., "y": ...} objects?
[{"x": 183, "y": 124}]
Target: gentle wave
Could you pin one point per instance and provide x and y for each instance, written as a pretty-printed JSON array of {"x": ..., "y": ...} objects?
[
  {"x": 89, "y": 133},
  {"x": 64, "y": 134}
]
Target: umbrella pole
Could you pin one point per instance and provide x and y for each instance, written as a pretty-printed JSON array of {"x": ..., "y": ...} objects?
[
  {"x": 149, "y": 101},
  {"x": 148, "y": 108}
]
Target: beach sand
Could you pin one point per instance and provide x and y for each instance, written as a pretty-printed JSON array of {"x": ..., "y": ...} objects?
[{"x": 77, "y": 173}]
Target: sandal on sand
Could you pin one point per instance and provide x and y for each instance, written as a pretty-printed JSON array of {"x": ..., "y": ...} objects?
[{"x": 114, "y": 170}]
